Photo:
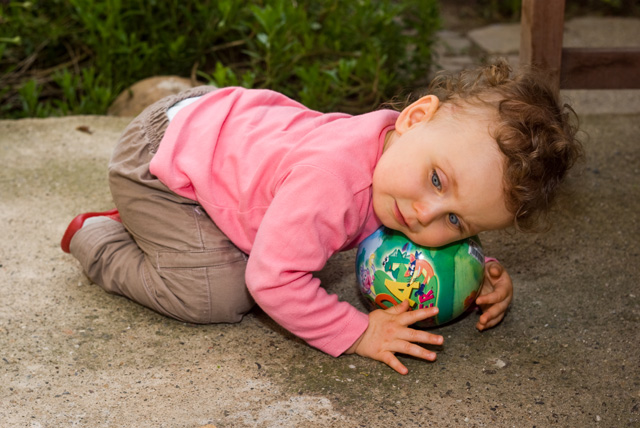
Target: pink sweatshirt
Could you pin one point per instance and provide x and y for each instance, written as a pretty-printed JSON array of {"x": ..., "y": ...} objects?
[{"x": 290, "y": 187}]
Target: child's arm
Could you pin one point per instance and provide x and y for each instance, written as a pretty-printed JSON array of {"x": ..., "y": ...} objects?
[
  {"x": 495, "y": 296},
  {"x": 388, "y": 332}
]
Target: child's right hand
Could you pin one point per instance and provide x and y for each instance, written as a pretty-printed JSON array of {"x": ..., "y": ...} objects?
[{"x": 389, "y": 332}]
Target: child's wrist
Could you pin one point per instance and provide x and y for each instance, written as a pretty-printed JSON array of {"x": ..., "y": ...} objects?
[{"x": 352, "y": 348}]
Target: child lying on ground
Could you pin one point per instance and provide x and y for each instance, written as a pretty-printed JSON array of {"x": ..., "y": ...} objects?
[{"x": 229, "y": 197}]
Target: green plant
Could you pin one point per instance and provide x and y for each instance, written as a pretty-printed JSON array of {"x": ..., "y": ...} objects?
[
  {"x": 74, "y": 56},
  {"x": 507, "y": 9},
  {"x": 83, "y": 93},
  {"x": 29, "y": 95}
]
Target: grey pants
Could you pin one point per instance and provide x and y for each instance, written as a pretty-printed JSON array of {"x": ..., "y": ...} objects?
[{"x": 167, "y": 254}]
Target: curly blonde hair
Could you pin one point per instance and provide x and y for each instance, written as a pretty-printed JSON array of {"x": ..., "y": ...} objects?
[{"x": 534, "y": 131}]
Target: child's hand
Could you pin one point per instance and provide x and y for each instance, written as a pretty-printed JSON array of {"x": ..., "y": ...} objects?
[
  {"x": 388, "y": 333},
  {"x": 495, "y": 296}
]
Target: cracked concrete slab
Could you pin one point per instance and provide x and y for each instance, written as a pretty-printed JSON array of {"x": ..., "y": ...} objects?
[{"x": 71, "y": 355}]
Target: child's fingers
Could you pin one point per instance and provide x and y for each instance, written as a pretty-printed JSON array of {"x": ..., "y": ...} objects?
[
  {"x": 405, "y": 348},
  {"x": 495, "y": 270},
  {"x": 408, "y": 348},
  {"x": 492, "y": 316},
  {"x": 393, "y": 362},
  {"x": 420, "y": 336},
  {"x": 491, "y": 298},
  {"x": 399, "y": 309},
  {"x": 495, "y": 309},
  {"x": 407, "y": 316},
  {"x": 486, "y": 322},
  {"x": 498, "y": 294}
]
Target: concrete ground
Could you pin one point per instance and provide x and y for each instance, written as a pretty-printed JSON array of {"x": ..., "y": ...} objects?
[{"x": 567, "y": 354}]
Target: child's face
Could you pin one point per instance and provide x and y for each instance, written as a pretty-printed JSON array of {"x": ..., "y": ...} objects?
[{"x": 440, "y": 177}]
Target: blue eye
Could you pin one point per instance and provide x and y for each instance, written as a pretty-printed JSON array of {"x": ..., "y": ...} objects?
[
  {"x": 435, "y": 180},
  {"x": 454, "y": 220}
]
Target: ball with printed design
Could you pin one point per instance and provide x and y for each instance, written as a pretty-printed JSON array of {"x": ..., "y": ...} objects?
[{"x": 390, "y": 269}]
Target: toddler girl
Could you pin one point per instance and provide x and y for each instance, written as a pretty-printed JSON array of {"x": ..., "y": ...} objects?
[{"x": 229, "y": 197}]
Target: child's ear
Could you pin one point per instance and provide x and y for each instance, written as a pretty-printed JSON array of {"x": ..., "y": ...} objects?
[{"x": 420, "y": 111}]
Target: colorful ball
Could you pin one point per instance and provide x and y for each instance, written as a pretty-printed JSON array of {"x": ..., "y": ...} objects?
[{"x": 390, "y": 269}]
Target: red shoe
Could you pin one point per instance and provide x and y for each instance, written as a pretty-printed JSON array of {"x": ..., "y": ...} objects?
[{"x": 77, "y": 223}]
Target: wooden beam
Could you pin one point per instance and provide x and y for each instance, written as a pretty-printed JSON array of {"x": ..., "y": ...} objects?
[
  {"x": 600, "y": 68},
  {"x": 541, "y": 31}
]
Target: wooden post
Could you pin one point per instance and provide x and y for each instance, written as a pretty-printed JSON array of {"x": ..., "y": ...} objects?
[{"x": 541, "y": 32}]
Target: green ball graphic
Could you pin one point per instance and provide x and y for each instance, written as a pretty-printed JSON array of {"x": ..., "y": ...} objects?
[{"x": 390, "y": 269}]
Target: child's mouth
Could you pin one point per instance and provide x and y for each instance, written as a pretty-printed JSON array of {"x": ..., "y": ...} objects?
[{"x": 399, "y": 216}]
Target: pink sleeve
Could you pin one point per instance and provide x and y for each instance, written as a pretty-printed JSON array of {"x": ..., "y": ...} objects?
[{"x": 311, "y": 217}]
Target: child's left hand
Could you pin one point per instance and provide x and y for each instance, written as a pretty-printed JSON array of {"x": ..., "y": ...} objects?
[{"x": 495, "y": 296}]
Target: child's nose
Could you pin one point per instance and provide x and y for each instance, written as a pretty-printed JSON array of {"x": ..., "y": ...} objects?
[{"x": 425, "y": 212}]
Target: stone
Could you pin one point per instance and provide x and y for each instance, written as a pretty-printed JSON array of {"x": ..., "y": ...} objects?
[
  {"x": 497, "y": 38},
  {"x": 454, "y": 64},
  {"x": 141, "y": 94},
  {"x": 601, "y": 32},
  {"x": 608, "y": 101},
  {"x": 451, "y": 43}
]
